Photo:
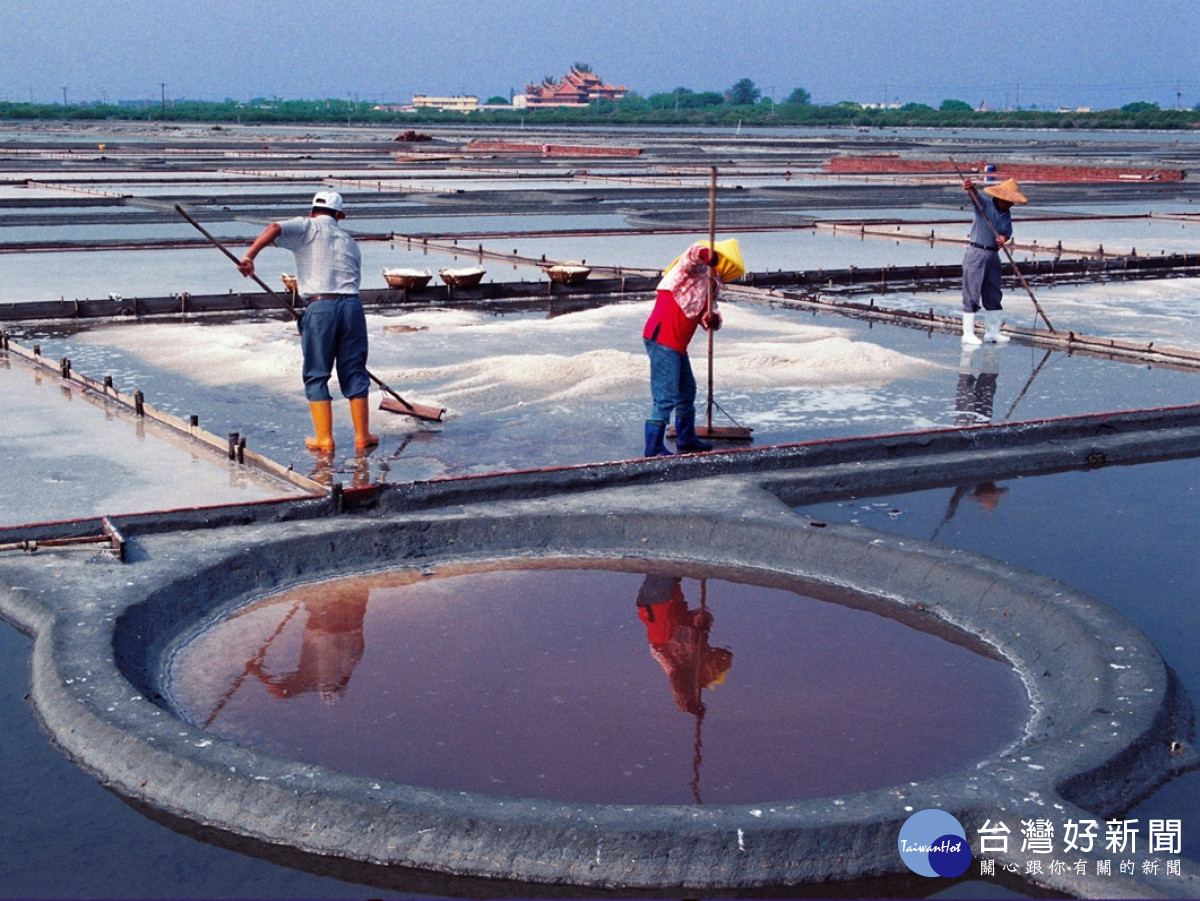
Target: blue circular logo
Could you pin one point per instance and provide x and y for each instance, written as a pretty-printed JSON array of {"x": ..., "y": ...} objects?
[{"x": 933, "y": 843}]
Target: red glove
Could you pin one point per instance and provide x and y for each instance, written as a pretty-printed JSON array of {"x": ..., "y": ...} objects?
[{"x": 711, "y": 321}]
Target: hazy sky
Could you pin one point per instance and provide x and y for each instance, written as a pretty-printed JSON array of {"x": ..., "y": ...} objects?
[{"x": 1046, "y": 53}]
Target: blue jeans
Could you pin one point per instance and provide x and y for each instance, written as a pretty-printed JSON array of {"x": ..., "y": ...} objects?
[
  {"x": 334, "y": 332},
  {"x": 672, "y": 384}
]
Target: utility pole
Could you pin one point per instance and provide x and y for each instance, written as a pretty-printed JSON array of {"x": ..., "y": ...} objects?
[
  {"x": 64, "y": 95},
  {"x": 163, "y": 87}
]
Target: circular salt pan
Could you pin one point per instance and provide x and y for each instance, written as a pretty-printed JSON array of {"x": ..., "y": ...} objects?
[
  {"x": 596, "y": 685},
  {"x": 1105, "y": 717}
]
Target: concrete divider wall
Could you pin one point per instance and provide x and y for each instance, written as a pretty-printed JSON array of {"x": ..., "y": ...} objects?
[{"x": 105, "y": 630}]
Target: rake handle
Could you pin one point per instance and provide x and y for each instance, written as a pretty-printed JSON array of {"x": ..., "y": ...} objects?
[
  {"x": 225, "y": 250},
  {"x": 373, "y": 377},
  {"x": 712, "y": 249}
]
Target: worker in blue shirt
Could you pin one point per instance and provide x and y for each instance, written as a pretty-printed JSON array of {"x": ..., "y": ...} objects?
[{"x": 991, "y": 229}]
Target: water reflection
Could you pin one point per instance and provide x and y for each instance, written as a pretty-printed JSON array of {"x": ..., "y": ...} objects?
[
  {"x": 327, "y": 466},
  {"x": 974, "y": 402},
  {"x": 330, "y": 649},
  {"x": 986, "y": 494},
  {"x": 678, "y": 640},
  {"x": 331, "y": 646},
  {"x": 975, "y": 393},
  {"x": 537, "y": 682}
]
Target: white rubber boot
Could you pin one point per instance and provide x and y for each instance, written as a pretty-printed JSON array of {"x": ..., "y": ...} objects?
[
  {"x": 969, "y": 336},
  {"x": 991, "y": 327}
]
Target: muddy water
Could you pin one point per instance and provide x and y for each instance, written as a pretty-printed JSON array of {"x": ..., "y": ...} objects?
[{"x": 596, "y": 686}]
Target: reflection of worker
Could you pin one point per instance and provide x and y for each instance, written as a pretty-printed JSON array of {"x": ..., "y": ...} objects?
[
  {"x": 986, "y": 494},
  {"x": 331, "y": 648},
  {"x": 991, "y": 229},
  {"x": 682, "y": 303},
  {"x": 975, "y": 393},
  {"x": 679, "y": 641},
  {"x": 974, "y": 398},
  {"x": 333, "y": 330}
]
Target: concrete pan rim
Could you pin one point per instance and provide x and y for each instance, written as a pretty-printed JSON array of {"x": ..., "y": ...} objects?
[{"x": 100, "y": 713}]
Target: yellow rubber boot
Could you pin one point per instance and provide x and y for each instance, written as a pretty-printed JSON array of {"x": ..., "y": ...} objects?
[
  {"x": 360, "y": 413},
  {"x": 322, "y": 417}
]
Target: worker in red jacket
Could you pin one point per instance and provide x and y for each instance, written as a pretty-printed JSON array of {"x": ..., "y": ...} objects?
[{"x": 687, "y": 297}]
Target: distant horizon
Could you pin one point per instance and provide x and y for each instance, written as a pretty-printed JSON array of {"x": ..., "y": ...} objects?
[
  {"x": 483, "y": 98},
  {"x": 1010, "y": 98},
  {"x": 146, "y": 103}
]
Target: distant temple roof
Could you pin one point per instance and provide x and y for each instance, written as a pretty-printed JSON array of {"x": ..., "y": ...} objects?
[{"x": 579, "y": 88}]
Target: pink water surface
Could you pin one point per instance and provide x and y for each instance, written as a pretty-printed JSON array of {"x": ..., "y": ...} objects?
[{"x": 597, "y": 685}]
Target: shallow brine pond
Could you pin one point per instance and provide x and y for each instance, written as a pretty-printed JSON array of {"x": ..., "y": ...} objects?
[{"x": 598, "y": 685}]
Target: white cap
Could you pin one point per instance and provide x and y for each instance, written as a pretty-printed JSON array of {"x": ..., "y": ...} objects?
[{"x": 328, "y": 200}]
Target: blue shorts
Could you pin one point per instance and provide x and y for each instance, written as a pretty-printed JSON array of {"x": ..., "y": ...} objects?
[{"x": 333, "y": 333}]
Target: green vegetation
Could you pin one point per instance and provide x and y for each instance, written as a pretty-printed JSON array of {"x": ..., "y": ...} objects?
[
  {"x": 740, "y": 104},
  {"x": 682, "y": 99},
  {"x": 743, "y": 93}
]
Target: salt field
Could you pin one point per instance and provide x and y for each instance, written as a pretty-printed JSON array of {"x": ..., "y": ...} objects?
[{"x": 543, "y": 384}]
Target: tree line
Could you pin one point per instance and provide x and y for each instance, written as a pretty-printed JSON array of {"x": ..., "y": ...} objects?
[{"x": 741, "y": 104}]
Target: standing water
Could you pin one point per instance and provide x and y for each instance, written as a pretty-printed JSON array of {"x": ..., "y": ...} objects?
[{"x": 593, "y": 685}]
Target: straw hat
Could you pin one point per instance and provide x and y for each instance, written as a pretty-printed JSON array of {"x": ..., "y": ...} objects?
[{"x": 1007, "y": 190}]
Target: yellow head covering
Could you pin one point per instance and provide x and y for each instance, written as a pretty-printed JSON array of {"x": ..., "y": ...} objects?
[
  {"x": 729, "y": 260},
  {"x": 730, "y": 266}
]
